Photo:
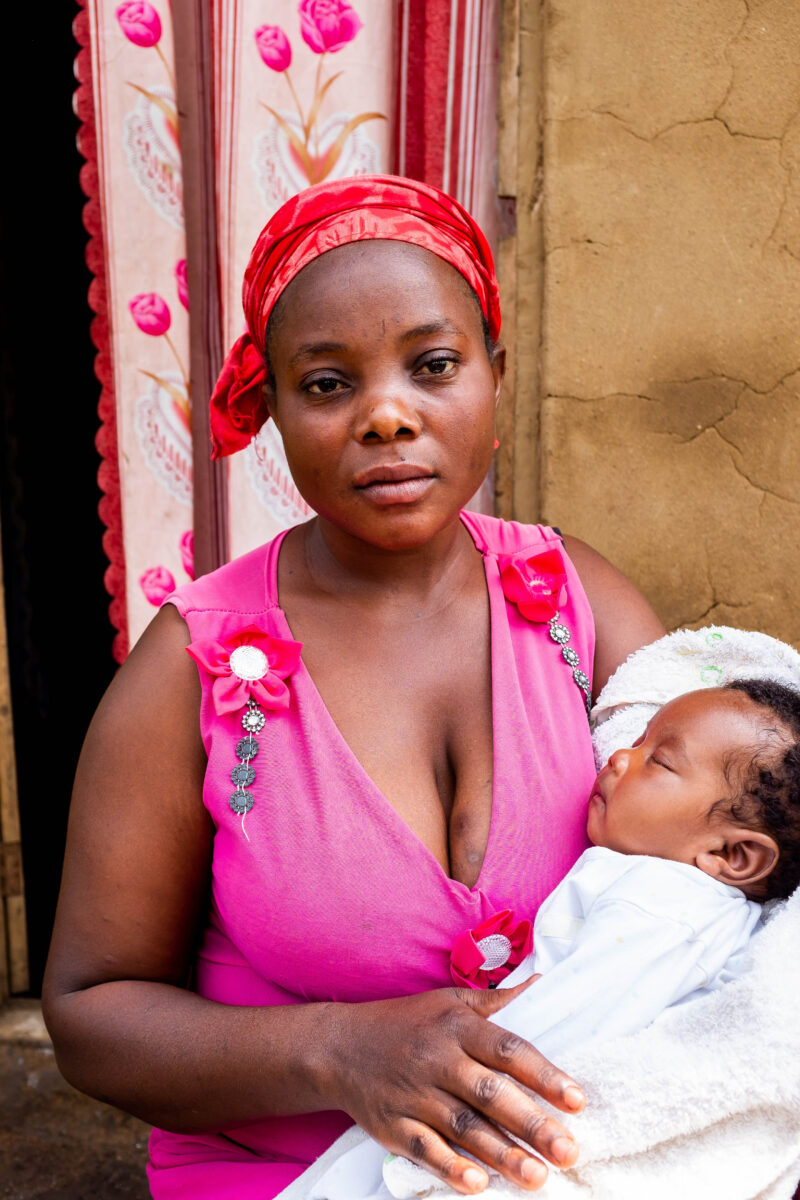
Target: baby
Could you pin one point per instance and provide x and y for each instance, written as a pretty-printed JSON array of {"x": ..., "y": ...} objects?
[{"x": 693, "y": 828}]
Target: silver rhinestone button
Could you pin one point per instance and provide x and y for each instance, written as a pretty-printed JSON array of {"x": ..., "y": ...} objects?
[
  {"x": 253, "y": 719},
  {"x": 247, "y": 748},
  {"x": 495, "y": 950},
  {"x": 243, "y": 775},
  {"x": 241, "y": 801},
  {"x": 249, "y": 663}
]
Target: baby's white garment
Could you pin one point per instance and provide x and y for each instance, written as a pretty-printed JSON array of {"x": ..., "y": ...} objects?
[{"x": 620, "y": 939}]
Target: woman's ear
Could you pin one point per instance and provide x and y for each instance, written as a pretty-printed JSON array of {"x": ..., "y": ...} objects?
[
  {"x": 271, "y": 399},
  {"x": 747, "y": 858},
  {"x": 498, "y": 370}
]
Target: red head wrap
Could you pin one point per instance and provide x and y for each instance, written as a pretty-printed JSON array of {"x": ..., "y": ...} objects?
[{"x": 362, "y": 208}]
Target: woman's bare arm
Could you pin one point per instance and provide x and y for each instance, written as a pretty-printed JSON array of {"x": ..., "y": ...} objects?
[
  {"x": 623, "y": 619},
  {"x": 414, "y": 1071}
]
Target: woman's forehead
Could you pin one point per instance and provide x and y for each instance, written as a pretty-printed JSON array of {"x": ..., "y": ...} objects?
[{"x": 399, "y": 278}]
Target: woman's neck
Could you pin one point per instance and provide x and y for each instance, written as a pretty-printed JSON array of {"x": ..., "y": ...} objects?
[{"x": 337, "y": 563}]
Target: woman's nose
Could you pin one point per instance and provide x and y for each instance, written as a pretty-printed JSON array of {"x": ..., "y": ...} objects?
[{"x": 387, "y": 417}]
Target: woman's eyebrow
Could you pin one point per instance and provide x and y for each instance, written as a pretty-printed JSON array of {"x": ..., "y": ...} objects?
[
  {"x": 314, "y": 349},
  {"x": 442, "y": 326}
]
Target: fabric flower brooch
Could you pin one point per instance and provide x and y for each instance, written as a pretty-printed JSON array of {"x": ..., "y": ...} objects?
[
  {"x": 249, "y": 668},
  {"x": 538, "y": 587},
  {"x": 482, "y": 956}
]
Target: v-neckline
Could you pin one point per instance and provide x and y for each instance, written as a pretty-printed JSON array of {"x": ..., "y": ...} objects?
[{"x": 384, "y": 804}]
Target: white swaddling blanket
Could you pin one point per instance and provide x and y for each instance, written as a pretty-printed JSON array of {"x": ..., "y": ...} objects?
[{"x": 705, "y": 1102}]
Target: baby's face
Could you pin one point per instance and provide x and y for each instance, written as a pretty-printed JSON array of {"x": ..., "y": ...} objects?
[{"x": 656, "y": 797}]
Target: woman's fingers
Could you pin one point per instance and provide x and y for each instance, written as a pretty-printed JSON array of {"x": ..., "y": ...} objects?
[
  {"x": 452, "y": 1081},
  {"x": 505, "y": 1104},
  {"x": 499, "y": 1060},
  {"x": 471, "y": 1132},
  {"x": 513, "y": 1055},
  {"x": 423, "y": 1146}
]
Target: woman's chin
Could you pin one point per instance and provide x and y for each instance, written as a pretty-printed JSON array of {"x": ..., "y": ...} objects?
[{"x": 400, "y": 527}]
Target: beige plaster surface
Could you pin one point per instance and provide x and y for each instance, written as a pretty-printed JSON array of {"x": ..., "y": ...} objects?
[{"x": 670, "y": 378}]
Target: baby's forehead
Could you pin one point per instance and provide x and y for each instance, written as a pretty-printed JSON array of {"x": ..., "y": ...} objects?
[{"x": 722, "y": 719}]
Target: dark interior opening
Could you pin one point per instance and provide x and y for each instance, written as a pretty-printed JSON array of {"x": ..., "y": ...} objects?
[{"x": 53, "y": 563}]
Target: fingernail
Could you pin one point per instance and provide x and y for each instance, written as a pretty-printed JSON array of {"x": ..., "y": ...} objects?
[
  {"x": 564, "y": 1150},
  {"x": 533, "y": 1171},
  {"x": 474, "y": 1178},
  {"x": 574, "y": 1097}
]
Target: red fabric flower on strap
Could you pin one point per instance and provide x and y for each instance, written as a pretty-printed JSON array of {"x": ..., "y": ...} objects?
[
  {"x": 249, "y": 665},
  {"x": 537, "y": 585},
  {"x": 486, "y": 954}
]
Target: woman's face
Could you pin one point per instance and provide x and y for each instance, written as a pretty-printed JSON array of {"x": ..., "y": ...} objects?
[{"x": 384, "y": 392}]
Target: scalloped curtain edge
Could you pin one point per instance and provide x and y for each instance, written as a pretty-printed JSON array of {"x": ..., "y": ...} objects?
[{"x": 110, "y": 504}]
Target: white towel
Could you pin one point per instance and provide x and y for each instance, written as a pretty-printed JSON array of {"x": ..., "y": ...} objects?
[
  {"x": 704, "y": 1104},
  {"x": 683, "y": 662}
]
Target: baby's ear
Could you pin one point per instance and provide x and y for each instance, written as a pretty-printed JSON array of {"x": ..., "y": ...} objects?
[{"x": 747, "y": 857}]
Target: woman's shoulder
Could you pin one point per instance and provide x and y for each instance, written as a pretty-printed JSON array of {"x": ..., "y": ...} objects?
[
  {"x": 242, "y": 585},
  {"x": 493, "y": 535},
  {"x": 623, "y": 619}
]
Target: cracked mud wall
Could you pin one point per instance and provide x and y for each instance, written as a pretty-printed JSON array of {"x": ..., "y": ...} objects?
[{"x": 669, "y": 393}]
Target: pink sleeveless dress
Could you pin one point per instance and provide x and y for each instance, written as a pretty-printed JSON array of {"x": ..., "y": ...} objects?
[{"x": 374, "y": 916}]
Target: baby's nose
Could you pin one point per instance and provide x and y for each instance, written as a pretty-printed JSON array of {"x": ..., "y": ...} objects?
[{"x": 618, "y": 761}]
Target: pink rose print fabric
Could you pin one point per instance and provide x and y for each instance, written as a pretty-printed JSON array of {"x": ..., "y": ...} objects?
[
  {"x": 274, "y": 47},
  {"x": 140, "y": 23},
  {"x": 328, "y": 25},
  {"x": 151, "y": 313},
  {"x": 157, "y": 583}
]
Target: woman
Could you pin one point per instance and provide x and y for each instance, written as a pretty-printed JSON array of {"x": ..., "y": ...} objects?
[{"x": 421, "y": 769}]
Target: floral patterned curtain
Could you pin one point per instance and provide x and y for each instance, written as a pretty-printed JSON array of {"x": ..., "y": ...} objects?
[{"x": 199, "y": 118}]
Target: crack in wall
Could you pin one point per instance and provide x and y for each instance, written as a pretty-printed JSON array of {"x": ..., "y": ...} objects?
[
  {"x": 582, "y": 241},
  {"x": 745, "y": 384},
  {"x": 787, "y": 192},
  {"x": 711, "y": 120},
  {"x": 704, "y": 616},
  {"x": 739, "y": 469},
  {"x": 731, "y": 64}
]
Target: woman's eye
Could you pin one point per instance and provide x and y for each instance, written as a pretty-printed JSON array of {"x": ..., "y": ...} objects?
[
  {"x": 438, "y": 366},
  {"x": 323, "y": 387}
]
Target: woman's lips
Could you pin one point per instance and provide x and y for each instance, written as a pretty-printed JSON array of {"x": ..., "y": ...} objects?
[{"x": 398, "y": 483}]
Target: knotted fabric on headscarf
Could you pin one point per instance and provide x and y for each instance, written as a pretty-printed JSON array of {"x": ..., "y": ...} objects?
[{"x": 361, "y": 208}]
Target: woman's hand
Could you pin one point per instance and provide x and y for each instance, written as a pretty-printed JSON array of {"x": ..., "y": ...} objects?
[{"x": 421, "y": 1072}]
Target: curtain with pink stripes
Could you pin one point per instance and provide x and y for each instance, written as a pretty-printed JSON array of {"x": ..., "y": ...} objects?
[{"x": 199, "y": 118}]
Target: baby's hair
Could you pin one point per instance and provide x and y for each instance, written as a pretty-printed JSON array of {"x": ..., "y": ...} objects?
[{"x": 769, "y": 786}]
